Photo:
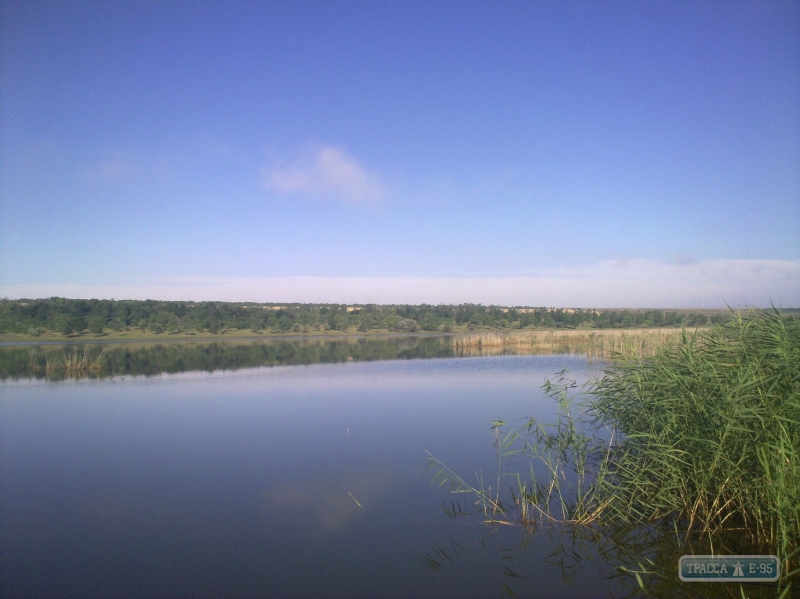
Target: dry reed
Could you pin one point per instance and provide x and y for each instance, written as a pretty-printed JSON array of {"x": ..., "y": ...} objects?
[{"x": 592, "y": 343}]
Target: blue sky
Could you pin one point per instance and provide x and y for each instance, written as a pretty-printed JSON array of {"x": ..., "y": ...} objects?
[{"x": 592, "y": 154}]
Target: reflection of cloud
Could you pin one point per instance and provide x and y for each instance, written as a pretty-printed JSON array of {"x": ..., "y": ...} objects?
[
  {"x": 634, "y": 283},
  {"x": 329, "y": 172},
  {"x": 326, "y": 504},
  {"x": 115, "y": 512}
]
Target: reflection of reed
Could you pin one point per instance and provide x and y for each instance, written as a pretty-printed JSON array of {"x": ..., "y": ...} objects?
[
  {"x": 72, "y": 365},
  {"x": 147, "y": 358},
  {"x": 595, "y": 344}
]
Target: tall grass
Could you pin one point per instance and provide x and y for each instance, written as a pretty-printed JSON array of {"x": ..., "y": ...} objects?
[
  {"x": 562, "y": 462},
  {"x": 710, "y": 431},
  {"x": 702, "y": 435},
  {"x": 592, "y": 343}
]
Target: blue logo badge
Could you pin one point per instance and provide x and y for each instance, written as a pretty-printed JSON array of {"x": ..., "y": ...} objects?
[{"x": 729, "y": 568}]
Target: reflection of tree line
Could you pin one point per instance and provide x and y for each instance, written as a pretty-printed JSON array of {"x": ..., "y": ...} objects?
[{"x": 56, "y": 362}]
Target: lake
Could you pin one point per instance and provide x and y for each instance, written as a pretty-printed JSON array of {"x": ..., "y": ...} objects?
[{"x": 283, "y": 480}]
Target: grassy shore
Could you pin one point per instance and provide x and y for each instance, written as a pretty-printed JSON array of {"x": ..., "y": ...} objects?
[
  {"x": 561, "y": 340},
  {"x": 599, "y": 343}
]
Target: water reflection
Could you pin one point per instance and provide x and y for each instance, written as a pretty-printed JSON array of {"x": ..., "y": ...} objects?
[
  {"x": 653, "y": 552},
  {"x": 636, "y": 561},
  {"x": 54, "y": 362},
  {"x": 247, "y": 482},
  {"x": 543, "y": 484},
  {"x": 561, "y": 559},
  {"x": 311, "y": 505}
]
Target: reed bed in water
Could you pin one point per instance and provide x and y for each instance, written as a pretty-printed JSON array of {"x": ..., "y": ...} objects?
[
  {"x": 702, "y": 435},
  {"x": 710, "y": 431},
  {"x": 592, "y": 343}
]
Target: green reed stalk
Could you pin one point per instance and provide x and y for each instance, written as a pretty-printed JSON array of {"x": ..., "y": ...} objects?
[
  {"x": 705, "y": 437},
  {"x": 711, "y": 429},
  {"x": 710, "y": 432}
]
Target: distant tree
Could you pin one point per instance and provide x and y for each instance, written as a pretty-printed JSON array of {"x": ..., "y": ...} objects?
[
  {"x": 73, "y": 324},
  {"x": 338, "y": 321},
  {"x": 66, "y": 327},
  {"x": 96, "y": 325},
  {"x": 71, "y": 316},
  {"x": 175, "y": 325},
  {"x": 695, "y": 319},
  {"x": 407, "y": 325},
  {"x": 429, "y": 322}
]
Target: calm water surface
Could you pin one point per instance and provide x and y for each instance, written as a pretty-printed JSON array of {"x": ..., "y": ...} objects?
[{"x": 246, "y": 483}]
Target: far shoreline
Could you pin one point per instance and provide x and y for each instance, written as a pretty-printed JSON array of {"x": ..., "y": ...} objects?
[{"x": 113, "y": 338}]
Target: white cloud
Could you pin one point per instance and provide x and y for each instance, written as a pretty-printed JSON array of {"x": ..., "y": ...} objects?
[
  {"x": 111, "y": 170},
  {"x": 326, "y": 172},
  {"x": 613, "y": 284}
]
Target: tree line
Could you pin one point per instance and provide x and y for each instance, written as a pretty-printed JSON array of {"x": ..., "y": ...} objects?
[{"x": 72, "y": 317}]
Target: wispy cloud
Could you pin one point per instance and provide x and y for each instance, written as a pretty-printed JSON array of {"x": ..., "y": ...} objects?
[
  {"x": 617, "y": 284},
  {"x": 326, "y": 172},
  {"x": 113, "y": 169}
]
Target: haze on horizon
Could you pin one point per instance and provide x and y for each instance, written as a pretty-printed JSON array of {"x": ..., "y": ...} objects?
[{"x": 523, "y": 153}]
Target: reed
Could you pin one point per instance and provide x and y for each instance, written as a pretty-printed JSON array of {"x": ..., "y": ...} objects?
[
  {"x": 558, "y": 485},
  {"x": 709, "y": 431},
  {"x": 592, "y": 343},
  {"x": 696, "y": 432}
]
